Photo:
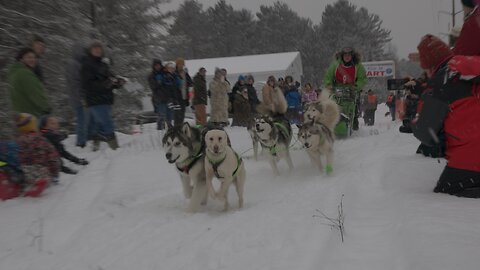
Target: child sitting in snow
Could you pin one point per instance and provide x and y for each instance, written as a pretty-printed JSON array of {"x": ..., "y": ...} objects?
[
  {"x": 50, "y": 129},
  {"x": 39, "y": 160}
]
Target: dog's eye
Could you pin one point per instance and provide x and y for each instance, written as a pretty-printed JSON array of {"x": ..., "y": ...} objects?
[
  {"x": 211, "y": 139},
  {"x": 177, "y": 144},
  {"x": 219, "y": 138}
]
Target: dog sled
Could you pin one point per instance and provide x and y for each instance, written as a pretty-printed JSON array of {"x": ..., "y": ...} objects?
[{"x": 348, "y": 101}]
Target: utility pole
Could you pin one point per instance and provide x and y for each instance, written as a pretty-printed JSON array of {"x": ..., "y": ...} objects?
[{"x": 453, "y": 14}]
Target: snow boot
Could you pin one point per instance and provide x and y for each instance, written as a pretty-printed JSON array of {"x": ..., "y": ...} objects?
[{"x": 113, "y": 143}]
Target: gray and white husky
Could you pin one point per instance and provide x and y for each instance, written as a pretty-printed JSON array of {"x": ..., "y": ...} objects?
[
  {"x": 184, "y": 146},
  {"x": 274, "y": 136},
  {"x": 318, "y": 140}
]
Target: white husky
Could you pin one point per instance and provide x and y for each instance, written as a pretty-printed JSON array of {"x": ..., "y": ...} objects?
[{"x": 224, "y": 164}]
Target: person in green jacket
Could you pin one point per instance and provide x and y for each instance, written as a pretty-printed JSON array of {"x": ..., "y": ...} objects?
[
  {"x": 346, "y": 75},
  {"x": 27, "y": 93}
]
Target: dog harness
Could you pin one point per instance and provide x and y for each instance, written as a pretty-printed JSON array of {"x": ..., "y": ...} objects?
[
  {"x": 273, "y": 149},
  {"x": 186, "y": 169},
  {"x": 217, "y": 164}
]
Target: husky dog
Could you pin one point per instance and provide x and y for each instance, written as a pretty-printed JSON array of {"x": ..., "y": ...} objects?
[
  {"x": 275, "y": 136},
  {"x": 324, "y": 111},
  {"x": 184, "y": 146},
  {"x": 318, "y": 140},
  {"x": 223, "y": 163}
]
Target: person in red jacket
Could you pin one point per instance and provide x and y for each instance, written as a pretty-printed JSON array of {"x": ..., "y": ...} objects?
[
  {"x": 468, "y": 43},
  {"x": 451, "y": 110}
]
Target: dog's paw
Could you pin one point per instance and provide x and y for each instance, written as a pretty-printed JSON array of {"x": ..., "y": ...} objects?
[{"x": 329, "y": 169}]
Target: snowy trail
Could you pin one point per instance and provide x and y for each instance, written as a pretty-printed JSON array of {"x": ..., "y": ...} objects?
[{"x": 126, "y": 211}]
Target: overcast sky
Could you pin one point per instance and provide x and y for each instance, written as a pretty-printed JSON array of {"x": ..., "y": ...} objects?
[{"x": 408, "y": 20}]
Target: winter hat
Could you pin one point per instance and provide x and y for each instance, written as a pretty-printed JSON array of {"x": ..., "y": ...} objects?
[
  {"x": 433, "y": 51},
  {"x": 469, "y": 3},
  {"x": 180, "y": 61},
  {"x": 170, "y": 64},
  {"x": 241, "y": 78},
  {"x": 22, "y": 52},
  {"x": 272, "y": 78},
  {"x": 26, "y": 123},
  {"x": 249, "y": 77},
  {"x": 157, "y": 62}
]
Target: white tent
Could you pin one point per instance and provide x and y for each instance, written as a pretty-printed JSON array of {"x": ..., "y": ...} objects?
[{"x": 260, "y": 66}]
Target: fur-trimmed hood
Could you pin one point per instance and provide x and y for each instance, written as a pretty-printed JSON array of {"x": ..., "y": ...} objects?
[{"x": 356, "y": 57}]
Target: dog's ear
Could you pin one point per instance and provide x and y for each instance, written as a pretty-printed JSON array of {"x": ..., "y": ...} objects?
[{"x": 186, "y": 130}]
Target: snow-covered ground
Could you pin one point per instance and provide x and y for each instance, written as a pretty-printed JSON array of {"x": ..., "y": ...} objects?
[{"x": 126, "y": 211}]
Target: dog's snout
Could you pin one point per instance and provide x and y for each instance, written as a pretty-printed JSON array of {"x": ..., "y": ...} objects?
[
  {"x": 168, "y": 155},
  {"x": 307, "y": 145},
  {"x": 257, "y": 126},
  {"x": 215, "y": 148}
]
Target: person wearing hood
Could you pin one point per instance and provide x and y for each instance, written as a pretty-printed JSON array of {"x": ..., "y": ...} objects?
[
  {"x": 348, "y": 74},
  {"x": 27, "y": 92},
  {"x": 219, "y": 89},
  {"x": 242, "y": 116},
  {"x": 450, "y": 115},
  {"x": 252, "y": 93},
  {"x": 84, "y": 126},
  {"x": 98, "y": 82}
]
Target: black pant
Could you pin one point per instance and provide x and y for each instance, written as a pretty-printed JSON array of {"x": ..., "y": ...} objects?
[
  {"x": 179, "y": 115},
  {"x": 369, "y": 117},
  {"x": 459, "y": 182}
]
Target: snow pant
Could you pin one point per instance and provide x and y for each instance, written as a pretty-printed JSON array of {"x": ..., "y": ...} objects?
[
  {"x": 392, "y": 112},
  {"x": 461, "y": 183},
  {"x": 201, "y": 114},
  {"x": 85, "y": 127},
  {"x": 102, "y": 116},
  {"x": 165, "y": 114},
  {"x": 369, "y": 117}
]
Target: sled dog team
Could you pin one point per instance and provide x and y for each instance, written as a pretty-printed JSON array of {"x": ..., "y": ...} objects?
[{"x": 203, "y": 154}]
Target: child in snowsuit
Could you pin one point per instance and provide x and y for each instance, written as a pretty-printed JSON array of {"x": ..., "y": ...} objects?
[{"x": 39, "y": 160}]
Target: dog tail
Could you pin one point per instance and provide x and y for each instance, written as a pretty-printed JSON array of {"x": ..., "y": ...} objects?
[
  {"x": 324, "y": 95},
  {"x": 331, "y": 109}
]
